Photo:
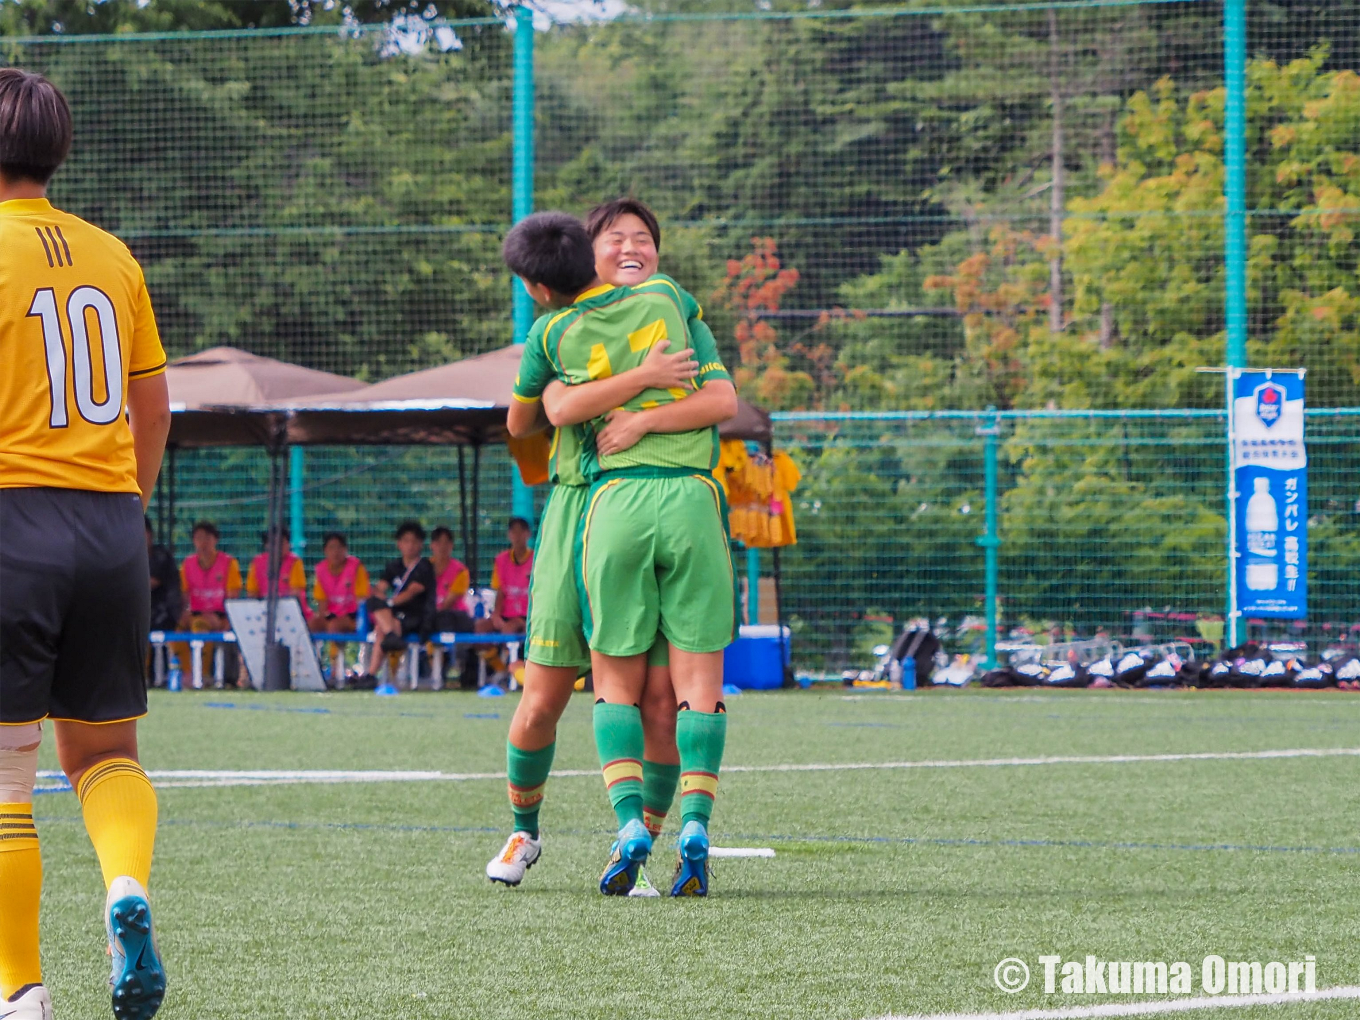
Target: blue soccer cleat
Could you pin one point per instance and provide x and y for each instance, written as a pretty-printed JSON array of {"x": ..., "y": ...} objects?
[
  {"x": 691, "y": 871},
  {"x": 626, "y": 856},
  {"x": 138, "y": 979}
]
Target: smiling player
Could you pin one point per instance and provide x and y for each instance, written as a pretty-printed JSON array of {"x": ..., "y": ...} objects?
[
  {"x": 557, "y": 651},
  {"x": 653, "y": 553}
]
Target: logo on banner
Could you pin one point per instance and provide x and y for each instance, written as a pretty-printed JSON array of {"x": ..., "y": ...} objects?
[{"x": 1269, "y": 403}]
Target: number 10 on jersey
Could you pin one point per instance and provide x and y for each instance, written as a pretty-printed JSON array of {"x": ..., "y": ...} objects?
[{"x": 81, "y": 301}]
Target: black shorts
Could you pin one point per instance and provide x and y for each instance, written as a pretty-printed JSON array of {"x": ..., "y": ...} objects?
[
  {"x": 410, "y": 623},
  {"x": 453, "y": 621},
  {"x": 75, "y": 606}
]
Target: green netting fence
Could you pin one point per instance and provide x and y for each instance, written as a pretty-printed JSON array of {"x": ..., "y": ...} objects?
[
  {"x": 1108, "y": 522},
  {"x": 939, "y": 208}
]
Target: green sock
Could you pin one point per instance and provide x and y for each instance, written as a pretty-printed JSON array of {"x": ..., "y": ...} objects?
[
  {"x": 618, "y": 739},
  {"x": 528, "y": 772},
  {"x": 700, "y": 737},
  {"x": 658, "y": 791}
]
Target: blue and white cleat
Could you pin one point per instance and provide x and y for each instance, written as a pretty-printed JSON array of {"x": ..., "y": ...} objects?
[
  {"x": 626, "y": 856},
  {"x": 138, "y": 979},
  {"x": 691, "y": 871}
]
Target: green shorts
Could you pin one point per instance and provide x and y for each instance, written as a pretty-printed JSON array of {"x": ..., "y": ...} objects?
[
  {"x": 555, "y": 636},
  {"x": 654, "y": 559}
]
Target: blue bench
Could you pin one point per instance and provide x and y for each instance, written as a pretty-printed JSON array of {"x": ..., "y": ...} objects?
[
  {"x": 195, "y": 640},
  {"x": 443, "y": 641}
]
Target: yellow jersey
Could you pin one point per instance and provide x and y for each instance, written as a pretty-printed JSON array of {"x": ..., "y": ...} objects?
[{"x": 75, "y": 326}]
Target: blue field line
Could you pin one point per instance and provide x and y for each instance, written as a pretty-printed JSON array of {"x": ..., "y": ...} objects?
[
  {"x": 320, "y": 711},
  {"x": 758, "y": 838}
]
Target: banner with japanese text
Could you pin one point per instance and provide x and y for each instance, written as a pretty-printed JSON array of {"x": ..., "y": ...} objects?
[{"x": 1270, "y": 470}]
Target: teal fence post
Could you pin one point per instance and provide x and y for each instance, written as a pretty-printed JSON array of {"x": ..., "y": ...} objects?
[
  {"x": 752, "y": 585},
  {"x": 297, "y": 518},
  {"x": 990, "y": 539},
  {"x": 1234, "y": 253},
  {"x": 522, "y": 204}
]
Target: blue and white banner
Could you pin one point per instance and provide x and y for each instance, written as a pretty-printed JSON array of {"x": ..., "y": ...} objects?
[{"x": 1270, "y": 469}]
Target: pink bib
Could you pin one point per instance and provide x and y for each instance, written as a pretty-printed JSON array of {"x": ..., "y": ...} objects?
[
  {"x": 513, "y": 599},
  {"x": 444, "y": 581},
  {"x": 207, "y": 588},
  {"x": 260, "y": 568},
  {"x": 339, "y": 591}
]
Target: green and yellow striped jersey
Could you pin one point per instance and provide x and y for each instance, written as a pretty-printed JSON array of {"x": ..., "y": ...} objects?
[{"x": 609, "y": 330}]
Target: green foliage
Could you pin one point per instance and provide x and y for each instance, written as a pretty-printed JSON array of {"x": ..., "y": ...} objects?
[
  {"x": 337, "y": 200},
  {"x": 323, "y": 202}
]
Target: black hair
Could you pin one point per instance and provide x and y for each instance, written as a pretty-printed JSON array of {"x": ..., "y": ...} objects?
[
  {"x": 553, "y": 249},
  {"x": 410, "y": 528},
  {"x": 338, "y": 536},
  {"x": 35, "y": 126},
  {"x": 207, "y": 526},
  {"x": 520, "y": 521},
  {"x": 441, "y": 532},
  {"x": 602, "y": 217},
  {"x": 265, "y": 535}
]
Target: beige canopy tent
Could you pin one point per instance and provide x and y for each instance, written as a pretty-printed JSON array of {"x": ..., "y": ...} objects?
[
  {"x": 463, "y": 401},
  {"x": 208, "y": 389}
]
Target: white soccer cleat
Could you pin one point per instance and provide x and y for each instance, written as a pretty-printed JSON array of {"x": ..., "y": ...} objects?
[
  {"x": 644, "y": 889},
  {"x": 137, "y": 983},
  {"x": 520, "y": 853},
  {"x": 29, "y": 1003}
]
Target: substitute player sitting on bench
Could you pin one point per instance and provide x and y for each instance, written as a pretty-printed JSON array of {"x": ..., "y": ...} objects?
[
  {"x": 292, "y": 574},
  {"x": 208, "y": 577},
  {"x": 404, "y": 600},
  {"x": 341, "y": 582}
]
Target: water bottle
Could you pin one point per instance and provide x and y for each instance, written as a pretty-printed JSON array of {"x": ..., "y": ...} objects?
[
  {"x": 1263, "y": 521},
  {"x": 909, "y": 673},
  {"x": 361, "y": 620},
  {"x": 174, "y": 679}
]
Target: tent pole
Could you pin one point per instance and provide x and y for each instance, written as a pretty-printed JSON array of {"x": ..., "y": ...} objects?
[
  {"x": 463, "y": 514},
  {"x": 476, "y": 503},
  {"x": 276, "y": 664},
  {"x": 160, "y": 508},
  {"x": 170, "y": 507}
]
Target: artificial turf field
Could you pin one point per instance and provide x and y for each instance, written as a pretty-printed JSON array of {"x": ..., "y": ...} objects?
[{"x": 893, "y": 890}]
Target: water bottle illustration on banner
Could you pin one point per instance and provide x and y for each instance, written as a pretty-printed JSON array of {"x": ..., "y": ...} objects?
[{"x": 1263, "y": 522}]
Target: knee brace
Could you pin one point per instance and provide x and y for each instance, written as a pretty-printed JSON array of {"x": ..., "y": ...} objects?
[{"x": 19, "y": 762}]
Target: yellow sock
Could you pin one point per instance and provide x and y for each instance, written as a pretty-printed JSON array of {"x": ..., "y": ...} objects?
[
  {"x": 119, "y": 806},
  {"x": 20, "y": 887}
]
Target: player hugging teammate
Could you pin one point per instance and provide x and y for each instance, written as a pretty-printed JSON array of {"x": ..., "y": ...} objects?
[{"x": 633, "y": 572}]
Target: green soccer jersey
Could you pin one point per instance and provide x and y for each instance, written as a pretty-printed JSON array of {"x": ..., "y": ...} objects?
[
  {"x": 610, "y": 330},
  {"x": 564, "y": 456}
]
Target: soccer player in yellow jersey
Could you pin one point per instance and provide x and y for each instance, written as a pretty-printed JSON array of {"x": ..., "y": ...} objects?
[{"x": 84, "y": 414}]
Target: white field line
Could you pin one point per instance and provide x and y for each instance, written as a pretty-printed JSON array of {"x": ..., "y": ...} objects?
[
  {"x": 1144, "y": 1008},
  {"x": 741, "y": 851},
  {"x": 171, "y": 778}
]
